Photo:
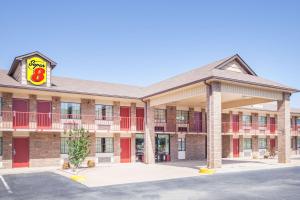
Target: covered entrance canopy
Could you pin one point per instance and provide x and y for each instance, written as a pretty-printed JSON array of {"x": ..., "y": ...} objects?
[{"x": 224, "y": 84}]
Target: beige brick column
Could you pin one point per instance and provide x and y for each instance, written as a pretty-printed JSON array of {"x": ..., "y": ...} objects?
[
  {"x": 284, "y": 129},
  {"x": 133, "y": 147},
  {"x": 241, "y": 146},
  {"x": 117, "y": 147},
  {"x": 214, "y": 143},
  {"x": 254, "y": 146},
  {"x": 203, "y": 118},
  {"x": 56, "y": 112},
  {"x": 240, "y": 121},
  {"x": 116, "y": 115},
  {"x": 230, "y": 122},
  {"x": 149, "y": 136},
  {"x": 7, "y": 108},
  {"x": 32, "y": 110},
  {"x": 268, "y": 143},
  {"x": 171, "y": 118},
  {"x": 133, "y": 116}
]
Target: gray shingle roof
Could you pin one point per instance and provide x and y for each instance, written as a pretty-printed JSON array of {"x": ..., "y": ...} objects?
[{"x": 210, "y": 71}]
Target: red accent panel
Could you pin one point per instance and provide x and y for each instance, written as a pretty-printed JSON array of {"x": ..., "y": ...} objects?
[
  {"x": 139, "y": 119},
  {"x": 21, "y": 152},
  {"x": 44, "y": 114},
  {"x": 21, "y": 115},
  {"x": 125, "y": 118},
  {"x": 235, "y": 123},
  {"x": 125, "y": 150},
  {"x": 236, "y": 149},
  {"x": 272, "y": 124}
]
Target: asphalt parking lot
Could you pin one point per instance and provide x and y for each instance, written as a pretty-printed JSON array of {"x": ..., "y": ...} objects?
[{"x": 264, "y": 184}]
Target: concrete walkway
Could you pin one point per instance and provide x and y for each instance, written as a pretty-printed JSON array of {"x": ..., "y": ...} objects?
[{"x": 115, "y": 174}]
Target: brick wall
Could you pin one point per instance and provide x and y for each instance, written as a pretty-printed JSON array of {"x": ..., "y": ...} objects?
[
  {"x": 133, "y": 116},
  {"x": 195, "y": 147},
  {"x": 174, "y": 147},
  {"x": 226, "y": 146},
  {"x": 191, "y": 119},
  {"x": 204, "y": 120},
  {"x": 7, "y": 106},
  {"x": 56, "y": 110},
  {"x": 133, "y": 147},
  {"x": 44, "y": 149},
  {"x": 255, "y": 146},
  {"x": 88, "y": 112},
  {"x": 7, "y": 149},
  {"x": 32, "y": 108},
  {"x": 241, "y": 146},
  {"x": 116, "y": 114},
  {"x": 93, "y": 144},
  {"x": 171, "y": 118}
]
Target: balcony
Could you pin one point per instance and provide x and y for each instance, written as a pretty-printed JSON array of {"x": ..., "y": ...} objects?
[
  {"x": 248, "y": 128},
  {"x": 32, "y": 121}
]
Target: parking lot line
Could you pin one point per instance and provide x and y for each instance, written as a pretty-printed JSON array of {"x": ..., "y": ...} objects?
[{"x": 6, "y": 185}]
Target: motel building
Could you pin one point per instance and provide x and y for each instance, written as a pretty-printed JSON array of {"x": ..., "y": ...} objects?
[{"x": 221, "y": 110}]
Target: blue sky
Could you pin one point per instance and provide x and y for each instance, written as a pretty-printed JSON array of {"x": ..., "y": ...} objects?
[{"x": 142, "y": 42}]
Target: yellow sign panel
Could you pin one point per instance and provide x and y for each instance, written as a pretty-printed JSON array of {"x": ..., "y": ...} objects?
[{"x": 36, "y": 70}]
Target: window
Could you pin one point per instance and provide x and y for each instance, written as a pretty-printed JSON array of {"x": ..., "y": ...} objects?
[
  {"x": 70, "y": 110},
  {"x": 262, "y": 143},
  {"x": 247, "y": 144},
  {"x": 63, "y": 145},
  {"x": 1, "y": 146},
  {"x": 104, "y": 112},
  {"x": 298, "y": 142},
  {"x": 182, "y": 116},
  {"x": 181, "y": 144},
  {"x": 247, "y": 120},
  {"x": 105, "y": 145},
  {"x": 160, "y": 116},
  {"x": 298, "y": 121},
  {"x": 262, "y": 120}
]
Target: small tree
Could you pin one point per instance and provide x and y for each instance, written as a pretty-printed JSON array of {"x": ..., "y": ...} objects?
[{"x": 78, "y": 146}]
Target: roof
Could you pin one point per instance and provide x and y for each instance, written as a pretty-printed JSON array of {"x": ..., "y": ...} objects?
[{"x": 211, "y": 71}]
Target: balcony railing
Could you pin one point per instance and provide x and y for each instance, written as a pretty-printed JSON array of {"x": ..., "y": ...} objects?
[
  {"x": 58, "y": 121},
  {"x": 252, "y": 128}
]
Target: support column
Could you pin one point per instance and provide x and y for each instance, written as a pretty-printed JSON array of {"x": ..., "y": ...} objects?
[
  {"x": 214, "y": 143},
  {"x": 133, "y": 116},
  {"x": 284, "y": 129},
  {"x": 241, "y": 146},
  {"x": 149, "y": 136},
  {"x": 203, "y": 122}
]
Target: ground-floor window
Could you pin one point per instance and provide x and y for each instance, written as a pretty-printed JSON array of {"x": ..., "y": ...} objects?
[
  {"x": 162, "y": 144},
  {"x": 139, "y": 147},
  {"x": 247, "y": 144},
  {"x": 181, "y": 144},
  {"x": 262, "y": 143},
  {"x": 105, "y": 145},
  {"x": 298, "y": 142},
  {"x": 64, "y": 145}
]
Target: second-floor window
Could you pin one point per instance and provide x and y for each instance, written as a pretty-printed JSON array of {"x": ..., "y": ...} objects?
[
  {"x": 70, "y": 110},
  {"x": 1, "y": 106},
  {"x": 182, "y": 116},
  {"x": 262, "y": 121},
  {"x": 104, "y": 112},
  {"x": 105, "y": 145},
  {"x": 247, "y": 120},
  {"x": 160, "y": 116},
  {"x": 298, "y": 121}
]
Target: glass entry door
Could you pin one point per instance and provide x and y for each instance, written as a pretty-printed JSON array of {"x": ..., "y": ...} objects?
[
  {"x": 139, "y": 147},
  {"x": 162, "y": 147}
]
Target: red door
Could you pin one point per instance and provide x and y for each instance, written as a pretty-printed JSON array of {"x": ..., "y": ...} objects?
[
  {"x": 139, "y": 119},
  {"x": 272, "y": 125},
  {"x": 235, "y": 123},
  {"x": 43, "y": 114},
  {"x": 125, "y": 150},
  {"x": 125, "y": 118},
  {"x": 272, "y": 145},
  {"x": 20, "y": 152},
  {"x": 21, "y": 114},
  {"x": 236, "y": 150}
]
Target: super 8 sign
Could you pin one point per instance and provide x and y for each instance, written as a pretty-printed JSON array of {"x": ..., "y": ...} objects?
[{"x": 36, "y": 70}]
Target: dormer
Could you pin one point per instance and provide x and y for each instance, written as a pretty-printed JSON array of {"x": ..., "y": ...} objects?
[
  {"x": 32, "y": 69},
  {"x": 236, "y": 64}
]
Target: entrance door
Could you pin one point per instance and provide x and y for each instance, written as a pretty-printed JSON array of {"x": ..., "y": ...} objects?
[
  {"x": 20, "y": 152},
  {"x": 125, "y": 118},
  {"x": 272, "y": 145},
  {"x": 235, "y": 123},
  {"x": 125, "y": 150},
  {"x": 139, "y": 119},
  {"x": 43, "y": 114},
  {"x": 272, "y": 125},
  {"x": 236, "y": 144},
  {"x": 21, "y": 115}
]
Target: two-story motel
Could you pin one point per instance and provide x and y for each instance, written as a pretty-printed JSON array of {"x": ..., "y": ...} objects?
[{"x": 206, "y": 113}]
